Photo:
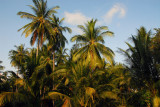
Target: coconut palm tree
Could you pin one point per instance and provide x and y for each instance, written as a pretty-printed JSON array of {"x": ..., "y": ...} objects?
[
  {"x": 18, "y": 58},
  {"x": 91, "y": 42},
  {"x": 32, "y": 85},
  {"x": 58, "y": 39},
  {"x": 141, "y": 62},
  {"x": 28, "y": 94},
  {"x": 39, "y": 26},
  {"x": 81, "y": 87}
]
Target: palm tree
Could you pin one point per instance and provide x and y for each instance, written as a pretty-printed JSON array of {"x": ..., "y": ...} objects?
[
  {"x": 39, "y": 26},
  {"x": 121, "y": 78},
  {"x": 32, "y": 61},
  {"x": 91, "y": 42},
  {"x": 80, "y": 87},
  {"x": 32, "y": 85},
  {"x": 8, "y": 97},
  {"x": 28, "y": 94},
  {"x": 58, "y": 39},
  {"x": 61, "y": 56},
  {"x": 18, "y": 58},
  {"x": 143, "y": 67}
]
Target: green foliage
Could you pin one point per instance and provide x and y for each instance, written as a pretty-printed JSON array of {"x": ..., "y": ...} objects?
[
  {"x": 84, "y": 87},
  {"x": 39, "y": 24},
  {"x": 88, "y": 76},
  {"x": 91, "y": 44},
  {"x": 154, "y": 46},
  {"x": 143, "y": 65}
]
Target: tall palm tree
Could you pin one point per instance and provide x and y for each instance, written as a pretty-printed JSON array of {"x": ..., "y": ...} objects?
[
  {"x": 58, "y": 39},
  {"x": 39, "y": 26},
  {"x": 91, "y": 42},
  {"x": 142, "y": 64}
]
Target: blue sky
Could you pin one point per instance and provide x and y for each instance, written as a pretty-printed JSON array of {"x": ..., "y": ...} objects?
[{"x": 122, "y": 17}]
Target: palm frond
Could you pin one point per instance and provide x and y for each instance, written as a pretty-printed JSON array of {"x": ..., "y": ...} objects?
[
  {"x": 109, "y": 94},
  {"x": 54, "y": 95},
  {"x": 11, "y": 97},
  {"x": 26, "y": 15}
]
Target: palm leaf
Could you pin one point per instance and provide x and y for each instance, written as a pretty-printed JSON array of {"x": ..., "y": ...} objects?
[
  {"x": 109, "y": 94},
  {"x": 54, "y": 95},
  {"x": 10, "y": 97}
]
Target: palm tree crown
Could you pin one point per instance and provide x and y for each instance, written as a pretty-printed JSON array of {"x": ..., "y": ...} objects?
[
  {"x": 142, "y": 63},
  {"x": 40, "y": 25},
  {"x": 18, "y": 56},
  {"x": 58, "y": 39},
  {"x": 91, "y": 42}
]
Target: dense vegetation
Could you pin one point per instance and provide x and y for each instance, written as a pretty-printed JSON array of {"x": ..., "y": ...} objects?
[{"x": 88, "y": 76}]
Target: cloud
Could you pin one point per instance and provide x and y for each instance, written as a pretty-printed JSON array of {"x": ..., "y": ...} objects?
[
  {"x": 76, "y": 18},
  {"x": 116, "y": 9},
  {"x": 76, "y": 30}
]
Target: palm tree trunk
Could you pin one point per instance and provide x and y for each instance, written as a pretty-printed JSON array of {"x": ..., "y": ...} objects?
[
  {"x": 37, "y": 49},
  {"x": 53, "y": 61},
  {"x": 16, "y": 81},
  {"x": 92, "y": 59},
  {"x": 53, "y": 66},
  {"x": 53, "y": 71}
]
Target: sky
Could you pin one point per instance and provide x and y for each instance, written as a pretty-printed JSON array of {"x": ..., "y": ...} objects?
[{"x": 123, "y": 17}]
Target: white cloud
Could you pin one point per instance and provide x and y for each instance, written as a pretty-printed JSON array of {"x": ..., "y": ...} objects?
[
  {"x": 116, "y": 9},
  {"x": 76, "y": 30},
  {"x": 76, "y": 18}
]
